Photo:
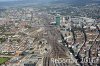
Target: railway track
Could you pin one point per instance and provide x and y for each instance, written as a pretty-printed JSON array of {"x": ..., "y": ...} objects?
[
  {"x": 46, "y": 61},
  {"x": 57, "y": 50}
]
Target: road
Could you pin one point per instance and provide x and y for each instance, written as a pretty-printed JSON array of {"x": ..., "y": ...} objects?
[{"x": 6, "y": 56}]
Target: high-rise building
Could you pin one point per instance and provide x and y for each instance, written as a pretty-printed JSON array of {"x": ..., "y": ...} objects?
[{"x": 58, "y": 20}]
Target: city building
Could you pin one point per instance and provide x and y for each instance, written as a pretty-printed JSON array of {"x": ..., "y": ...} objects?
[
  {"x": 30, "y": 64},
  {"x": 58, "y": 20}
]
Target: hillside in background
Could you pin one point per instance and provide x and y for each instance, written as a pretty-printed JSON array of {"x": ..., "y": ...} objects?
[{"x": 74, "y": 2}]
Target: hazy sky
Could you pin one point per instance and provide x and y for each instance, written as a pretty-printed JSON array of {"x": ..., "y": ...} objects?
[{"x": 7, "y": 0}]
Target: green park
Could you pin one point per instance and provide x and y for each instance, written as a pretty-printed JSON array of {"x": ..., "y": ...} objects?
[{"x": 3, "y": 60}]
